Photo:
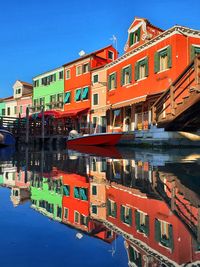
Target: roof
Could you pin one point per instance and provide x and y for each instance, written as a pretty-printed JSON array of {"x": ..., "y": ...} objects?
[
  {"x": 26, "y": 84},
  {"x": 86, "y": 56}
]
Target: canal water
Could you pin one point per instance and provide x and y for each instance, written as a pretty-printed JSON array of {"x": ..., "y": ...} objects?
[{"x": 99, "y": 207}]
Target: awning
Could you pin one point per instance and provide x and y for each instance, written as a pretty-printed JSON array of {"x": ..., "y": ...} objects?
[
  {"x": 74, "y": 112},
  {"x": 129, "y": 102}
]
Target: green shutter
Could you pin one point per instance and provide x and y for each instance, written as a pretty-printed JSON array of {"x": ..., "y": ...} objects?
[
  {"x": 130, "y": 74},
  {"x": 146, "y": 66},
  {"x": 147, "y": 225},
  {"x": 54, "y": 77},
  {"x": 94, "y": 190},
  {"x": 130, "y": 217},
  {"x": 108, "y": 208},
  {"x": 131, "y": 37},
  {"x": 156, "y": 62},
  {"x": 109, "y": 82},
  {"x": 169, "y": 56},
  {"x": 171, "y": 243},
  {"x": 157, "y": 230},
  {"x": 67, "y": 97},
  {"x": 138, "y": 33},
  {"x": 83, "y": 193},
  {"x": 85, "y": 93},
  {"x": 115, "y": 210},
  {"x": 78, "y": 95},
  {"x": 137, "y": 219},
  {"x": 122, "y": 77},
  {"x": 115, "y": 77},
  {"x": 76, "y": 192},
  {"x": 136, "y": 71},
  {"x": 66, "y": 190},
  {"x": 122, "y": 209},
  {"x": 192, "y": 52}
]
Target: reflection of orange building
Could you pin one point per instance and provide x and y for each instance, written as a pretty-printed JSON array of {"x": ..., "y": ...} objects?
[{"x": 149, "y": 223}]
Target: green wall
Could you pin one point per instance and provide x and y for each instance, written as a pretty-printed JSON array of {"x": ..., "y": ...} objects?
[
  {"x": 47, "y": 190},
  {"x": 55, "y": 87},
  {"x": 2, "y": 106}
]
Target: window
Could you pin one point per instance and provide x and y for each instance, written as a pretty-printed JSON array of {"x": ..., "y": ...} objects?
[
  {"x": 60, "y": 75},
  {"x": 66, "y": 190},
  {"x": 110, "y": 55},
  {"x": 41, "y": 101},
  {"x": 80, "y": 193},
  {"x": 67, "y": 98},
  {"x": 94, "y": 122},
  {"x": 60, "y": 100},
  {"x": 15, "y": 110},
  {"x": 112, "y": 81},
  {"x": 141, "y": 69},
  {"x": 135, "y": 256},
  {"x": 117, "y": 118},
  {"x": 164, "y": 233},
  {"x": 85, "y": 68},
  {"x": 18, "y": 91},
  {"x": 76, "y": 217},
  {"x": 95, "y": 99},
  {"x": 78, "y": 70},
  {"x": 126, "y": 215},
  {"x": 66, "y": 213},
  {"x": 36, "y": 83},
  {"x": 134, "y": 37},
  {"x": 95, "y": 78},
  {"x": 78, "y": 95},
  {"x": 94, "y": 209},
  {"x": 142, "y": 222},
  {"x": 84, "y": 220},
  {"x": 53, "y": 99},
  {"x": 8, "y": 111},
  {"x": 67, "y": 74},
  {"x": 85, "y": 92},
  {"x": 126, "y": 75},
  {"x": 111, "y": 208},
  {"x": 94, "y": 190},
  {"x": 162, "y": 60},
  {"x": 195, "y": 50},
  {"x": 3, "y": 111},
  {"x": 20, "y": 110}
]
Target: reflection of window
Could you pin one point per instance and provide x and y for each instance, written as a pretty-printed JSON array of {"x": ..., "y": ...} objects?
[
  {"x": 135, "y": 256},
  {"x": 76, "y": 217},
  {"x": 164, "y": 233},
  {"x": 95, "y": 78},
  {"x": 94, "y": 167},
  {"x": 162, "y": 60},
  {"x": 80, "y": 193},
  {"x": 59, "y": 212},
  {"x": 126, "y": 214},
  {"x": 66, "y": 190},
  {"x": 142, "y": 222},
  {"x": 94, "y": 209},
  {"x": 111, "y": 208},
  {"x": 94, "y": 190},
  {"x": 84, "y": 220},
  {"x": 117, "y": 118}
]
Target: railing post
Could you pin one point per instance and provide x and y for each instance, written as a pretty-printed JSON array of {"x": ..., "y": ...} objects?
[
  {"x": 172, "y": 100},
  {"x": 42, "y": 125},
  {"x": 27, "y": 125},
  {"x": 197, "y": 70}
]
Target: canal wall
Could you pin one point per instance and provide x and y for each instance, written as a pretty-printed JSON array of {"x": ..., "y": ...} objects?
[{"x": 158, "y": 137}]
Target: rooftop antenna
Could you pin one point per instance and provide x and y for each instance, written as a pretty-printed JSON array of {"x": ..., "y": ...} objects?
[
  {"x": 114, "y": 40},
  {"x": 82, "y": 53}
]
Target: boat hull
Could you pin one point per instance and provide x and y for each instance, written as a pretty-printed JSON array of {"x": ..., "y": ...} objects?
[
  {"x": 6, "y": 138},
  {"x": 104, "y": 139}
]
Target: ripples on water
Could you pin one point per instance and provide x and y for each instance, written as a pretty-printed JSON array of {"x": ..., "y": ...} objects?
[{"x": 99, "y": 207}]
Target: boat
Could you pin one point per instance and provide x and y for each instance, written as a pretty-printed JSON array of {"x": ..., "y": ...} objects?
[
  {"x": 6, "y": 138},
  {"x": 96, "y": 139}
]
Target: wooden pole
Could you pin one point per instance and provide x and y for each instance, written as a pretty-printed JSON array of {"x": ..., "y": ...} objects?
[
  {"x": 42, "y": 125},
  {"x": 27, "y": 125},
  {"x": 172, "y": 100}
]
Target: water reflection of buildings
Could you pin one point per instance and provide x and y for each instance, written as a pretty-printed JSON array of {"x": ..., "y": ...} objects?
[{"x": 152, "y": 203}]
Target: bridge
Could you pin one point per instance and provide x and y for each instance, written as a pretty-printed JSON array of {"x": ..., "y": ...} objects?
[{"x": 178, "y": 108}]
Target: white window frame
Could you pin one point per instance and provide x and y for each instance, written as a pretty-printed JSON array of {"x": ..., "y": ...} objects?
[
  {"x": 68, "y": 71},
  {"x": 77, "y": 68}
]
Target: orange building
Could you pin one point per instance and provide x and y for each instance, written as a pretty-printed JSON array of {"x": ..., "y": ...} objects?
[
  {"x": 153, "y": 59},
  {"x": 77, "y": 85}
]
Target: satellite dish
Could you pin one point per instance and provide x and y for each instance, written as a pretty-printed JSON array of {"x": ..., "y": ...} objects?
[{"x": 81, "y": 53}]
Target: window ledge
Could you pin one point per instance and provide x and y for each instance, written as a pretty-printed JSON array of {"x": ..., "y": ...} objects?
[
  {"x": 161, "y": 71},
  {"x": 141, "y": 79}
]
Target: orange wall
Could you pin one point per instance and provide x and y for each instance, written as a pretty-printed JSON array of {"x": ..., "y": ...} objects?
[{"x": 155, "y": 82}]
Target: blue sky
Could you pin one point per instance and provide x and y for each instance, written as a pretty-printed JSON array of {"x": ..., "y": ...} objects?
[{"x": 39, "y": 35}]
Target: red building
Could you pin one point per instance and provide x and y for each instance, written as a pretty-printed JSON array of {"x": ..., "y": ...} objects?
[
  {"x": 153, "y": 59},
  {"x": 77, "y": 85}
]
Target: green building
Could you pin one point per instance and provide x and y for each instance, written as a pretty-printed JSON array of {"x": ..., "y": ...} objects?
[
  {"x": 2, "y": 108},
  {"x": 48, "y": 90},
  {"x": 46, "y": 196}
]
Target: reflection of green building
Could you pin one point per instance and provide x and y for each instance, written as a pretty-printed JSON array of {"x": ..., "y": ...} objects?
[
  {"x": 46, "y": 196},
  {"x": 48, "y": 90},
  {"x": 2, "y": 108}
]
